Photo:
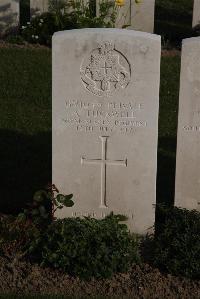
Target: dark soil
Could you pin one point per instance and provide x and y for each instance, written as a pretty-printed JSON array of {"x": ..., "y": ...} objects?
[
  {"x": 171, "y": 53},
  {"x": 141, "y": 282}
]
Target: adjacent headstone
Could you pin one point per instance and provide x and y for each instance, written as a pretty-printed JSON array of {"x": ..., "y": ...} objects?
[
  {"x": 196, "y": 13},
  {"x": 124, "y": 15},
  {"x": 105, "y": 122},
  {"x": 142, "y": 15},
  {"x": 138, "y": 16},
  {"x": 9, "y": 16},
  {"x": 187, "y": 193},
  {"x": 38, "y": 7}
]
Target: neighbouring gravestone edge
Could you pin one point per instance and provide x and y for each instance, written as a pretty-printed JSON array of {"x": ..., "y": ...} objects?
[
  {"x": 12, "y": 13},
  {"x": 186, "y": 192},
  {"x": 190, "y": 40}
]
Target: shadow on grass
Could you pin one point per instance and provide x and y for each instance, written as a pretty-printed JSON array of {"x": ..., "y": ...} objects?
[
  {"x": 166, "y": 171},
  {"x": 165, "y": 175},
  {"x": 25, "y": 168}
]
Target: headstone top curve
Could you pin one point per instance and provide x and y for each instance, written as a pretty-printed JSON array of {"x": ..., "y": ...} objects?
[
  {"x": 191, "y": 40},
  {"x": 131, "y": 33}
]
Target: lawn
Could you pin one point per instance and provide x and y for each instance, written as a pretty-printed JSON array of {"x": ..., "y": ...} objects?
[{"x": 25, "y": 124}]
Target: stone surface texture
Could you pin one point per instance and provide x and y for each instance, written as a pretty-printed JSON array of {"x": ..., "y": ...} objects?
[
  {"x": 188, "y": 140},
  {"x": 136, "y": 16},
  {"x": 105, "y": 122},
  {"x": 196, "y": 13},
  {"x": 38, "y": 7},
  {"x": 9, "y": 15},
  {"x": 142, "y": 15},
  {"x": 124, "y": 15}
]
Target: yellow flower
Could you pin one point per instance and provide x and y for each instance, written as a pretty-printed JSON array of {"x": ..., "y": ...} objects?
[
  {"x": 138, "y": 1},
  {"x": 120, "y": 2}
]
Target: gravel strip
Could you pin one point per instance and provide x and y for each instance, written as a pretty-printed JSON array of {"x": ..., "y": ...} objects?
[{"x": 141, "y": 282}]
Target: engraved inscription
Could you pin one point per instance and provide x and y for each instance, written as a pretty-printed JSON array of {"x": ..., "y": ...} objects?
[
  {"x": 105, "y": 70},
  {"x": 100, "y": 215},
  {"x": 103, "y": 162},
  {"x": 194, "y": 125},
  {"x": 107, "y": 117},
  {"x": 191, "y": 128}
]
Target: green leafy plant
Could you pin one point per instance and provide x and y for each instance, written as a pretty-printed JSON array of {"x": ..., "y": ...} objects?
[
  {"x": 73, "y": 14},
  {"x": 65, "y": 15},
  {"x": 177, "y": 244},
  {"x": 44, "y": 205},
  {"x": 17, "y": 233},
  {"x": 41, "y": 28},
  {"x": 86, "y": 247}
]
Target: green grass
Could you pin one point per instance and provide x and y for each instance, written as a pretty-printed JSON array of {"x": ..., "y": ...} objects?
[
  {"x": 25, "y": 125},
  {"x": 25, "y": 85},
  {"x": 168, "y": 116}
]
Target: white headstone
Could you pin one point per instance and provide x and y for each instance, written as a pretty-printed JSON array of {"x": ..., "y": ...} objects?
[
  {"x": 196, "y": 13},
  {"x": 142, "y": 15},
  {"x": 187, "y": 193},
  {"x": 124, "y": 15},
  {"x": 38, "y": 7},
  {"x": 105, "y": 122},
  {"x": 138, "y": 16},
  {"x": 9, "y": 15}
]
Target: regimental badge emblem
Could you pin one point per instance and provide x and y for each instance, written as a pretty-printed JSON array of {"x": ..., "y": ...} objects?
[{"x": 105, "y": 70}]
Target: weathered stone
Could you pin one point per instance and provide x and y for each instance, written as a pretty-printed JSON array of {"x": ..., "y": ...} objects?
[
  {"x": 142, "y": 15},
  {"x": 124, "y": 16},
  {"x": 187, "y": 193},
  {"x": 9, "y": 16},
  {"x": 38, "y": 7},
  {"x": 105, "y": 122},
  {"x": 137, "y": 16},
  {"x": 196, "y": 13}
]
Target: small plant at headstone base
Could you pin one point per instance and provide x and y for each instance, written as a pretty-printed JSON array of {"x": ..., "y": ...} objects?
[
  {"x": 86, "y": 247},
  {"x": 16, "y": 233},
  {"x": 176, "y": 247},
  {"x": 41, "y": 211}
]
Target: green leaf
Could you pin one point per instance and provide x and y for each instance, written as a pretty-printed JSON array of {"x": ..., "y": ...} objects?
[
  {"x": 40, "y": 195},
  {"x": 65, "y": 200},
  {"x": 68, "y": 202},
  {"x": 60, "y": 198},
  {"x": 69, "y": 196}
]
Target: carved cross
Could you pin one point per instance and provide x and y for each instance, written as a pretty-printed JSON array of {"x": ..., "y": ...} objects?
[
  {"x": 106, "y": 67},
  {"x": 103, "y": 162}
]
